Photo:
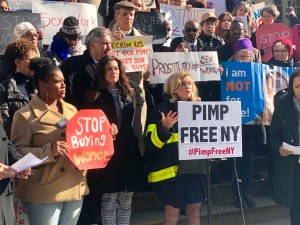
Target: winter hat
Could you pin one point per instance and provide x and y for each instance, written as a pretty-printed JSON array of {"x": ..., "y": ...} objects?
[
  {"x": 287, "y": 43},
  {"x": 22, "y": 29},
  {"x": 70, "y": 28},
  {"x": 243, "y": 43},
  {"x": 124, "y": 4}
]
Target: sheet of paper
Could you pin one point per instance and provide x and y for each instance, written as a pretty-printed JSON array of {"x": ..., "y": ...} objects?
[
  {"x": 295, "y": 149},
  {"x": 27, "y": 161}
]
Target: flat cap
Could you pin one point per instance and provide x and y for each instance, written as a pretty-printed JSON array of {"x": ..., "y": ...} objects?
[
  {"x": 208, "y": 15},
  {"x": 124, "y": 4}
]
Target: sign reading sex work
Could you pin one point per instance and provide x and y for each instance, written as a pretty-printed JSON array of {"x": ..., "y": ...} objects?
[
  {"x": 203, "y": 66},
  {"x": 266, "y": 35},
  {"x": 133, "y": 51},
  {"x": 88, "y": 135},
  {"x": 208, "y": 130},
  {"x": 54, "y": 13},
  {"x": 179, "y": 15}
]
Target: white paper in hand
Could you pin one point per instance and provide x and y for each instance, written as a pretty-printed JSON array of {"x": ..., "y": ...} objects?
[
  {"x": 27, "y": 162},
  {"x": 295, "y": 149}
]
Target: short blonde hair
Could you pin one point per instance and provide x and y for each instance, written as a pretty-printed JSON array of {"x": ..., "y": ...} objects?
[{"x": 173, "y": 83}]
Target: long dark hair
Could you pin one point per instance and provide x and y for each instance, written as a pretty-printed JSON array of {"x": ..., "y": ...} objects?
[
  {"x": 100, "y": 83},
  {"x": 295, "y": 74}
]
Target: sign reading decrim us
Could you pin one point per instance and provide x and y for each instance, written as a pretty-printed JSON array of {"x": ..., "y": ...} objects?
[{"x": 209, "y": 130}]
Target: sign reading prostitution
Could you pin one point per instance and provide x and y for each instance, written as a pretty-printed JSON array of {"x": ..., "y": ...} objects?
[{"x": 88, "y": 135}]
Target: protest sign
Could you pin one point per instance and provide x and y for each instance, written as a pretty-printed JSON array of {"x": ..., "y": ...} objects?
[
  {"x": 8, "y": 21},
  {"x": 151, "y": 23},
  {"x": 54, "y": 13},
  {"x": 208, "y": 130},
  {"x": 88, "y": 135},
  {"x": 179, "y": 15},
  {"x": 218, "y": 5},
  {"x": 203, "y": 66},
  {"x": 133, "y": 52},
  {"x": 254, "y": 84},
  {"x": 256, "y": 20},
  {"x": 267, "y": 34},
  {"x": 20, "y": 5}
]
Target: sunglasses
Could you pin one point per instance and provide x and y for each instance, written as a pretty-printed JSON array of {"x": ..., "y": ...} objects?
[{"x": 189, "y": 30}]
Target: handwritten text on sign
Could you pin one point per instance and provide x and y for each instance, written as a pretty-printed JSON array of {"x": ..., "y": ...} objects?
[
  {"x": 203, "y": 66},
  {"x": 178, "y": 16},
  {"x": 54, "y": 13},
  {"x": 133, "y": 52},
  {"x": 266, "y": 35},
  {"x": 209, "y": 130},
  {"x": 88, "y": 134},
  {"x": 8, "y": 21}
]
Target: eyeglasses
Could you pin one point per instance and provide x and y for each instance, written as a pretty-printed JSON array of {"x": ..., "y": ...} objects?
[
  {"x": 30, "y": 35},
  {"x": 213, "y": 23},
  {"x": 242, "y": 57},
  {"x": 280, "y": 51},
  {"x": 189, "y": 30}
]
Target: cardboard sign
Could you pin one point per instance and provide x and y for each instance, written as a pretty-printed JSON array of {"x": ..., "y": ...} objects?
[
  {"x": 8, "y": 21},
  {"x": 20, "y": 5},
  {"x": 179, "y": 15},
  {"x": 133, "y": 52},
  {"x": 256, "y": 20},
  {"x": 88, "y": 135},
  {"x": 151, "y": 23},
  {"x": 54, "y": 13},
  {"x": 208, "y": 130},
  {"x": 203, "y": 66},
  {"x": 267, "y": 34}
]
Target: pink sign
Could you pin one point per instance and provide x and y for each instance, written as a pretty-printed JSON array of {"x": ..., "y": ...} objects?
[{"x": 267, "y": 34}]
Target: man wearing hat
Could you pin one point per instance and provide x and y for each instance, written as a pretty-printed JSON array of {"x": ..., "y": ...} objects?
[
  {"x": 67, "y": 42},
  {"x": 208, "y": 26}
]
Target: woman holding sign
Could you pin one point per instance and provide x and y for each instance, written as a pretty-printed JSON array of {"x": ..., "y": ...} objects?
[
  {"x": 285, "y": 128},
  {"x": 176, "y": 184},
  {"x": 112, "y": 93},
  {"x": 54, "y": 194}
]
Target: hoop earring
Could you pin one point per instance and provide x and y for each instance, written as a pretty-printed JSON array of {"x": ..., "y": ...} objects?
[{"x": 45, "y": 100}]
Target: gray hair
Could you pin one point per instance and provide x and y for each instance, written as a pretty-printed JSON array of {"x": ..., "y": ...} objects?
[{"x": 95, "y": 34}]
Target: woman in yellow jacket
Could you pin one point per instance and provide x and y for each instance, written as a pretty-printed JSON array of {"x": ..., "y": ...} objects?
[{"x": 53, "y": 195}]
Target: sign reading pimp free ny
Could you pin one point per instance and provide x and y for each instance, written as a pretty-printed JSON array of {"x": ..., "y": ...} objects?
[
  {"x": 88, "y": 135},
  {"x": 208, "y": 130}
]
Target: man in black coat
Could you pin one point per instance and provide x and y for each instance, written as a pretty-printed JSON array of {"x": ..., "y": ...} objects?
[
  {"x": 79, "y": 70},
  {"x": 79, "y": 75},
  {"x": 208, "y": 26},
  {"x": 237, "y": 31}
]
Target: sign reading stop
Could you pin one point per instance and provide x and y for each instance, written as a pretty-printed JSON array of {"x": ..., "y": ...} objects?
[{"x": 88, "y": 135}]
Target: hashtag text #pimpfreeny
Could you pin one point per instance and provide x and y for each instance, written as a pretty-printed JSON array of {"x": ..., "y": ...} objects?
[{"x": 212, "y": 151}]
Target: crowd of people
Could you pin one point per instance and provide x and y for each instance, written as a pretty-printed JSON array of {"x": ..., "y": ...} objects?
[{"x": 44, "y": 89}]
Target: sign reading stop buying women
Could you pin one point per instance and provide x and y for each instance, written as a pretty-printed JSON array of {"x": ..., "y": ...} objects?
[
  {"x": 88, "y": 135},
  {"x": 208, "y": 130}
]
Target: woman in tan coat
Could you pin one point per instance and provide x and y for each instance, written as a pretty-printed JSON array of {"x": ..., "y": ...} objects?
[{"x": 53, "y": 195}]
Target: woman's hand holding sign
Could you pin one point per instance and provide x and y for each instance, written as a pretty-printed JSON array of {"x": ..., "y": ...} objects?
[
  {"x": 60, "y": 148},
  {"x": 114, "y": 130},
  {"x": 169, "y": 120}
]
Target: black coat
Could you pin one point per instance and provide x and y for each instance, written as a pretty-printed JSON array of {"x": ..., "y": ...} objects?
[
  {"x": 8, "y": 156},
  {"x": 284, "y": 128},
  {"x": 11, "y": 100},
  {"x": 211, "y": 42},
  {"x": 125, "y": 169},
  {"x": 79, "y": 74}
]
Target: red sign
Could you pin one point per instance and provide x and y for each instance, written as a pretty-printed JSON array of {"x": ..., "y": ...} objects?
[
  {"x": 267, "y": 34},
  {"x": 88, "y": 135}
]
